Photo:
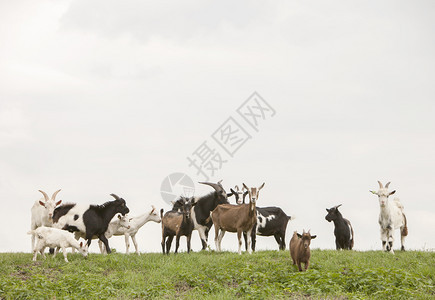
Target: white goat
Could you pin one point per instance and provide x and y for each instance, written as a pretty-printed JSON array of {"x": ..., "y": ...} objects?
[
  {"x": 135, "y": 224},
  {"x": 117, "y": 223},
  {"x": 55, "y": 238},
  {"x": 391, "y": 217},
  {"x": 42, "y": 212}
]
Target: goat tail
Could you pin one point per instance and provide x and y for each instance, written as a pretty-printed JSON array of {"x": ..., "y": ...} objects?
[
  {"x": 352, "y": 241},
  {"x": 404, "y": 231},
  {"x": 161, "y": 213}
]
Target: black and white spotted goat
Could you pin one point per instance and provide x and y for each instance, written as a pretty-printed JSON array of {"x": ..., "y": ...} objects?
[
  {"x": 344, "y": 238},
  {"x": 271, "y": 220},
  {"x": 91, "y": 220}
]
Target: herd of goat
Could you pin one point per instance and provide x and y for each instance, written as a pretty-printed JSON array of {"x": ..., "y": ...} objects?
[{"x": 60, "y": 226}]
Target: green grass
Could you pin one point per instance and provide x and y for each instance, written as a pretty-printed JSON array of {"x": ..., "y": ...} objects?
[{"x": 211, "y": 275}]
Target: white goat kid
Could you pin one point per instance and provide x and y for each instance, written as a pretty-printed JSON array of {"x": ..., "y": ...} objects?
[
  {"x": 42, "y": 212},
  {"x": 135, "y": 224},
  {"x": 117, "y": 222},
  {"x": 55, "y": 238},
  {"x": 391, "y": 217}
]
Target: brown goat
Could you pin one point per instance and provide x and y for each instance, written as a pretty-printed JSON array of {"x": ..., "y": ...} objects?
[
  {"x": 236, "y": 218},
  {"x": 177, "y": 223},
  {"x": 300, "y": 249}
]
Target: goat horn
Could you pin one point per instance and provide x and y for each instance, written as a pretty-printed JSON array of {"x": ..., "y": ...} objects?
[
  {"x": 45, "y": 196},
  {"x": 55, "y": 194},
  {"x": 115, "y": 196},
  {"x": 388, "y": 183},
  {"x": 216, "y": 186},
  {"x": 380, "y": 185},
  {"x": 338, "y": 206},
  {"x": 237, "y": 188}
]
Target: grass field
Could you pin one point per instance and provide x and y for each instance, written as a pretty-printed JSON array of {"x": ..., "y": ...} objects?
[{"x": 211, "y": 275}]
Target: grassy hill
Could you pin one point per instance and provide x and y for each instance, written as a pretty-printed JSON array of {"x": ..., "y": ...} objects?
[{"x": 211, "y": 275}]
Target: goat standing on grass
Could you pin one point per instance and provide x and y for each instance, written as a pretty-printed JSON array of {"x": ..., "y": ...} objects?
[
  {"x": 55, "y": 238},
  {"x": 300, "y": 249},
  {"x": 177, "y": 222},
  {"x": 91, "y": 220},
  {"x": 42, "y": 212},
  {"x": 236, "y": 218},
  {"x": 343, "y": 230},
  {"x": 271, "y": 220},
  {"x": 204, "y": 205},
  {"x": 118, "y": 222},
  {"x": 135, "y": 223},
  {"x": 391, "y": 217}
]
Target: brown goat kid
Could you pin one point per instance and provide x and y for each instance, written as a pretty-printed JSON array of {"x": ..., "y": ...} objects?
[
  {"x": 177, "y": 222},
  {"x": 236, "y": 218},
  {"x": 300, "y": 249}
]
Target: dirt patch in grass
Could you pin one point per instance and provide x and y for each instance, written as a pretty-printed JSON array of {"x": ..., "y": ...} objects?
[
  {"x": 182, "y": 288},
  {"x": 25, "y": 272}
]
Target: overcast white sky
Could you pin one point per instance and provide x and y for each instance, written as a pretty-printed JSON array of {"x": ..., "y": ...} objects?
[{"x": 108, "y": 97}]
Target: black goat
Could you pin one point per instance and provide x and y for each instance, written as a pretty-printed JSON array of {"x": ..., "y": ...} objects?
[
  {"x": 91, "y": 220},
  {"x": 344, "y": 238},
  {"x": 204, "y": 205}
]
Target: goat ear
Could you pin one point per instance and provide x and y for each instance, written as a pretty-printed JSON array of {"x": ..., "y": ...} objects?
[
  {"x": 392, "y": 192},
  {"x": 299, "y": 235},
  {"x": 261, "y": 186},
  {"x": 81, "y": 244},
  {"x": 327, "y": 210},
  {"x": 373, "y": 192},
  {"x": 58, "y": 202},
  {"x": 42, "y": 203},
  {"x": 313, "y": 237}
]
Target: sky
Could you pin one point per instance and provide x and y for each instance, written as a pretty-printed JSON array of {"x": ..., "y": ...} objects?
[{"x": 112, "y": 97}]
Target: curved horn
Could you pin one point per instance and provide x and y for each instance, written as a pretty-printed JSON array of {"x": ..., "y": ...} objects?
[
  {"x": 216, "y": 186},
  {"x": 115, "y": 196},
  {"x": 45, "y": 196},
  {"x": 54, "y": 195},
  {"x": 261, "y": 186},
  {"x": 380, "y": 185},
  {"x": 338, "y": 206},
  {"x": 388, "y": 183}
]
